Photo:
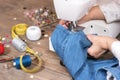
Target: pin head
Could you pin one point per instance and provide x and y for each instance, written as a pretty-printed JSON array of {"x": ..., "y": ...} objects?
[{"x": 1, "y": 48}]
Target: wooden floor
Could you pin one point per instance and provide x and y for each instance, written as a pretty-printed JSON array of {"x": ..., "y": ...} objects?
[{"x": 51, "y": 70}]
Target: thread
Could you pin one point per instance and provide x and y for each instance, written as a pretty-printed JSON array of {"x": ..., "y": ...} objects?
[
  {"x": 19, "y": 44},
  {"x": 22, "y": 47},
  {"x": 26, "y": 61},
  {"x": 33, "y": 33},
  {"x": 20, "y": 29},
  {"x": 35, "y": 69},
  {"x": 1, "y": 48}
]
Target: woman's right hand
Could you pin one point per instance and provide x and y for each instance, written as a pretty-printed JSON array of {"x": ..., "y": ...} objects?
[
  {"x": 99, "y": 44},
  {"x": 64, "y": 23}
]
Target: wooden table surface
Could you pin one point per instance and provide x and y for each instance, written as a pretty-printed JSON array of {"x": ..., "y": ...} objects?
[{"x": 11, "y": 13}]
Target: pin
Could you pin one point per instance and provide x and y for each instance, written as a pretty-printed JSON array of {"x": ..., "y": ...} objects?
[
  {"x": 42, "y": 16},
  {"x": 7, "y": 46},
  {"x": 46, "y": 35},
  {"x": 2, "y": 48},
  {"x": 38, "y": 43},
  {"x": 8, "y": 65},
  {"x": 14, "y": 19},
  {"x": 31, "y": 76},
  {"x": 3, "y": 39}
]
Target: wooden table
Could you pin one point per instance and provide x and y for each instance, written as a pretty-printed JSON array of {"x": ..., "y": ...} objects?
[{"x": 11, "y": 13}]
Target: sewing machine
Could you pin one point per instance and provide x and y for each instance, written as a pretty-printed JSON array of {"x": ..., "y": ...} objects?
[{"x": 74, "y": 10}]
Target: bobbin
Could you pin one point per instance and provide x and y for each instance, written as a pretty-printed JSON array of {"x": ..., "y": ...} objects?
[
  {"x": 26, "y": 61},
  {"x": 15, "y": 62}
]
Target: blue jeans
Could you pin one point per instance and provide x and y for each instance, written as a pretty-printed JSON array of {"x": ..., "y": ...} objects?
[{"x": 72, "y": 47}]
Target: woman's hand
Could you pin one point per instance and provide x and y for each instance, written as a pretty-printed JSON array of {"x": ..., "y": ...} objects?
[
  {"x": 64, "y": 23},
  {"x": 99, "y": 44}
]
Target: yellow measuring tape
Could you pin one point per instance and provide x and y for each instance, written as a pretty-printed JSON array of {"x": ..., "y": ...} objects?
[
  {"x": 20, "y": 29},
  {"x": 35, "y": 69}
]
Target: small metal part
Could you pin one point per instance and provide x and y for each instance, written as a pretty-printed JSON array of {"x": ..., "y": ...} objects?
[
  {"x": 79, "y": 28},
  {"x": 69, "y": 25},
  {"x": 73, "y": 26}
]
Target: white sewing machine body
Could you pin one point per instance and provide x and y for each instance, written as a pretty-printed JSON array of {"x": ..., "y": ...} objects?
[
  {"x": 98, "y": 27},
  {"x": 73, "y": 10}
]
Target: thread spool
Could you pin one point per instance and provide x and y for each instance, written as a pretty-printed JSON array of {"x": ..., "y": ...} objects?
[
  {"x": 33, "y": 33},
  {"x": 19, "y": 44},
  {"x": 1, "y": 48},
  {"x": 26, "y": 61}
]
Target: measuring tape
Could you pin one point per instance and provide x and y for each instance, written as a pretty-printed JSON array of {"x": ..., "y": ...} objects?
[
  {"x": 20, "y": 45},
  {"x": 20, "y": 29}
]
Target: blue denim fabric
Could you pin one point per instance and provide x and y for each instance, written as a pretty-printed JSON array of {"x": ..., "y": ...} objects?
[{"x": 71, "y": 47}]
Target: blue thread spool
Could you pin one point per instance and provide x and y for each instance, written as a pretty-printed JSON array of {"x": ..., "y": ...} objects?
[{"x": 26, "y": 61}]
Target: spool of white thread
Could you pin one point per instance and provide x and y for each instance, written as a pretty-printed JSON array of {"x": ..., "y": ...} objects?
[
  {"x": 19, "y": 44},
  {"x": 33, "y": 33}
]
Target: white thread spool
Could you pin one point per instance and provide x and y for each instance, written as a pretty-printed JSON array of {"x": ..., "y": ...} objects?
[
  {"x": 33, "y": 33},
  {"x": 19, "y": 44}
]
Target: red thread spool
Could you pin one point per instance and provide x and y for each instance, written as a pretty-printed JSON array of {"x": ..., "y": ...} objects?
[{"x": 1, "y": 48}]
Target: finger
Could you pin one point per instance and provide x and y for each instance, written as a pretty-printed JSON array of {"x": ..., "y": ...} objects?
[
  {"x": 62, "y": 22},
  {"x": 95, "y": 51},
  {"x": 91, "y": 37},
  {"x": 67, "y": 23}
]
